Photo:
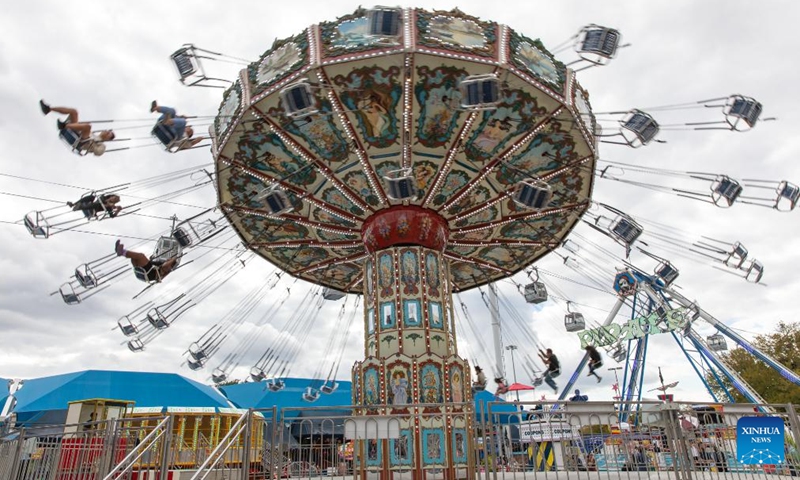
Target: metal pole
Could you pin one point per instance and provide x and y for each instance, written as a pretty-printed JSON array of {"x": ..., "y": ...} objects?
[
  {"x": 166, "y": 437},
  {"x": 248, "y": 432},
  {"x": 18, "y": 453},
  {"x": 496, "y": 333},
  {"x": 511, "y": 348}
]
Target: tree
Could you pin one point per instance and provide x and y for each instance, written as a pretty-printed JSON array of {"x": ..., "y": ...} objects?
[{"x": 784, "y": 346}]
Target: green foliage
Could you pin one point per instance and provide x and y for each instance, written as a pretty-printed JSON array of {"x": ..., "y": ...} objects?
[{"x": 784, "y": 346}]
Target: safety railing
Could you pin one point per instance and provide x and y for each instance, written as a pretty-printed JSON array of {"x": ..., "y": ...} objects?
[
  {"x": 539, "y": 440},
  {"x": 149, "y": 454}
]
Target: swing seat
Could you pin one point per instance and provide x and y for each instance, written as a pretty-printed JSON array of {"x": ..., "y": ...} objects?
[
  {"x": 167, "y": 137},
  {"x": 744, "y": 108},
  {"x": 74, "y": 141},
  {"x": 68, "y": 294},
  {"x": 36, "y": 225},
  {"x": 146, "y": 275},
  {"x": 275, "y": 385},
  {"x": 183, "y": 238},
  {"x": 298, "y": 100},
  {"x": 257, "y": 374},
  {"x": 278, "y": 202},
  {"x": 384, "y": 22},
  {"x": 185, "y": 62},
  {"x": 537, "y": 381},
  {"x": 643, "y": 127},
  {"x": 157, "y": 319},
  {"x": 332, "y": 294},
  {"x": 625, "y": 229},
  {"x": 480, "y": 92},
  {"x": 86, "y": 278},
  {"x": 198, "y": 353},
  {"x": 194, "y": 365},
  {"x": 600, "y": 41},
  {"x": 725, "y": 191},
  {"x": 218, "y": 376},
  {"x": 127, "y": 327},
  {"x": 328, "y": 389},
  {"x": 400, "y": 184},
  {"x": 311, "y": 395},
  {"x": 533, "y": 194},
  {"x": 667, "y": 273},
  {"x": 135, "y": 345}
]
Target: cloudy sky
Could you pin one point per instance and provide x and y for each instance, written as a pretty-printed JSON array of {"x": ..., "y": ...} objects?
[{"x": 110, "y": 59}]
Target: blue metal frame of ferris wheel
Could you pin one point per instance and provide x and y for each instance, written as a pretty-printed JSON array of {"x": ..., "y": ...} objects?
[
  {"x": 706, "y": 367},
  {"x": 712, "y": 362}
]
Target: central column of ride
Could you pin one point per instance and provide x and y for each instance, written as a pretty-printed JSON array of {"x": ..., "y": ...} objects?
[{"x": 411, "y": 368}]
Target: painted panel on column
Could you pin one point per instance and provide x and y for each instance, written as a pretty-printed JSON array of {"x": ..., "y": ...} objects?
[
  {"x": 372, "y": 394},
  {"x": 402, "y": 449},
  {"x": 374, "y": 453},
  {"x": 435, "y": 315},
  {"x": 459, "y": 445},
  {"x": 457, "y": 384},
  {"x": 371, "y": 321},
  {"x": 368, "y": 282},
  {"x": 409, "y": 272},
  {"x": 432, "y": 275},
  {"x": 388, "y": 316},
  {"x": 412, "y": 313},
  {"x": 397, "y": 377},
  {"x": 386, "y": 274},
  {"x": 431, "y": 383},
  {"x": 432, "y": 446}
]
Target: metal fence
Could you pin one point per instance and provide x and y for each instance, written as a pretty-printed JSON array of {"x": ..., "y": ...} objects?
[{"x": 570, "y": 440}]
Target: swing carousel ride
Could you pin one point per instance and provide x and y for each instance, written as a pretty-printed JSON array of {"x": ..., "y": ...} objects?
[{"x": 396, "y": 157}]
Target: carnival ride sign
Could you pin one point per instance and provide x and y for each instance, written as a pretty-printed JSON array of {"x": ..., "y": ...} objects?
[
  {"x": 547, "y": 432},
  {"x": 663, "y": 322}
]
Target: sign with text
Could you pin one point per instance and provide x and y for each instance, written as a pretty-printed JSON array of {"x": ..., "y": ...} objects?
[
  {"x": 547, "y": 432},
  {"x": 759, "y": 440},
  {"x": 663, "y": 322}
]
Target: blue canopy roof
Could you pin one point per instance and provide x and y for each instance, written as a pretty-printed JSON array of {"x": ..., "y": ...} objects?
[
  {"x": 145, "y": 389},
  {"x": 257, "y": 395},
  {"x": 3, "y": 392}
]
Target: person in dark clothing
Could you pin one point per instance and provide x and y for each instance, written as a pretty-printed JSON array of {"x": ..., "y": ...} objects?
[
  {"x": 595, "y": 361},
  {"x": 91, "y": 205},
  {"x": 553, "y": 368}
]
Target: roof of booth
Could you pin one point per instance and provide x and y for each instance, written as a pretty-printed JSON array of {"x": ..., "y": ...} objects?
[
  {"x": 257, "y": 395},
  {"x": 146, "y": 389}
]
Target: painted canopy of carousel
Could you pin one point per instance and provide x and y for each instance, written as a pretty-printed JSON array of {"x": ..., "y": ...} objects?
[{"x": 386, "y": 104}]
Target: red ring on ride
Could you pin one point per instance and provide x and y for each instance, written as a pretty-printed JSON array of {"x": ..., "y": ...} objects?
[{"x": 405, "y": 225}]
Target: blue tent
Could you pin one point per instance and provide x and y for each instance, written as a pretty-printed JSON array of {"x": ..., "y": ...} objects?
[
  {"x": 258, "y": 396},
  {"x": 43, "y": 397},
  {"x": 3, "y": 391},
  {"x": 504, "y": 412}
]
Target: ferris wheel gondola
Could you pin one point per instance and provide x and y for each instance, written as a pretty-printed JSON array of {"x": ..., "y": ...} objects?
[
  {"x": 573, "y": 321},
  {"x": 536, "y": 291}
]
